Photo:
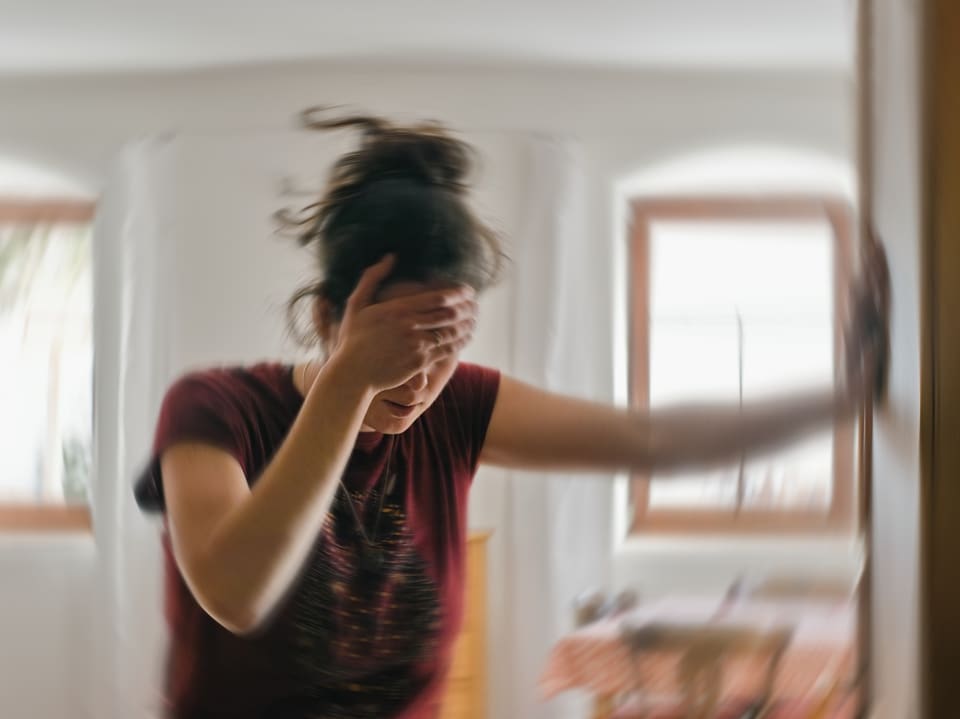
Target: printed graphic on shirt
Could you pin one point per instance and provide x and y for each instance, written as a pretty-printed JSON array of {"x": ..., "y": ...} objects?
[{"x": 364, "y": 619}]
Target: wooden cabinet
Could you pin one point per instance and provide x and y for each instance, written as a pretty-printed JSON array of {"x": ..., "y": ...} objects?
[{"x": 466, "y": 692}]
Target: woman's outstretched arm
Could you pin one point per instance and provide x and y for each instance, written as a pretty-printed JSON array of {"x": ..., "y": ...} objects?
[{"x": 534, "y": 429}]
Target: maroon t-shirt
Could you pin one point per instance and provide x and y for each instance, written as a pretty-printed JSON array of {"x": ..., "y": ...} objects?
[{"x": 360, "y": 634}]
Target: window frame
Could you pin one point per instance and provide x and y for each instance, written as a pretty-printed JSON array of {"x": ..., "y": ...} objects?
[
  {"x": 37, "y": 517},
  {"x": 841, "y": 517}
]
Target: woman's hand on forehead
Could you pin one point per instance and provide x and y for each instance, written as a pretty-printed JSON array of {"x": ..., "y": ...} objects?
[
  {"x": 433, "y": 308},
  {"x": 412, "y": 328},
  {"x": 418, "y": 295}
]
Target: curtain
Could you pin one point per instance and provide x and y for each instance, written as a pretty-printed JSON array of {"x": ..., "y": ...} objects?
[
  {"x": 557, "y": 526},
  {"x": 130, "y": 339},
  {"x": 189, "y": 272}
]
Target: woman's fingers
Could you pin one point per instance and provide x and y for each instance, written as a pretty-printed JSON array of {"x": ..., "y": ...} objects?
[
  {"x": 445, "y": 316},
  {"x": 449, "y": 349},
  {"x": 879, "y": 289},
  {"x": 366, "y": 290},
  {"x": 450, "y": 333},
  {"x": 433, "y": 300},
  {"x": 451, "y": 339},
  {"x": 867, "y": 335}
]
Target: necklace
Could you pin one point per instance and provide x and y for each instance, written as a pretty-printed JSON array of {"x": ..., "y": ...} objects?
[{"x": 372, "y": 556}]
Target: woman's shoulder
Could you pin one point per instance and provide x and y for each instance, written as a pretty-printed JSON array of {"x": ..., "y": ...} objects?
[
  {"x": 463, "y": 410},
  {"x": 472, "y": 386},
  {"x": 224, "y": 406},
  {"x": 232, "y": 378},
  {"x": 232, "y": 391},
  {"x": 234, "y": 371},
  {"x": 469, "y": 375}
]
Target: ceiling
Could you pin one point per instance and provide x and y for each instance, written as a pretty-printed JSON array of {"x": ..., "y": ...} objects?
[{"x": 56, "y": 36}]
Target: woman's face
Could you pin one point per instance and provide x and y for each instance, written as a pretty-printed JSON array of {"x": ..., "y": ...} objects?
[{"x": 394, "y": 410}]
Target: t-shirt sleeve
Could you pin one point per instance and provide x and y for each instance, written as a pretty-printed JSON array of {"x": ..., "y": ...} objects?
[
  {"x": 196, "y": 408},
  {"x": 474, "y": 391}
]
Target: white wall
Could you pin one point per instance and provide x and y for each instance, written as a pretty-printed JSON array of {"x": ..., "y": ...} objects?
[
  {"x": 76, "y": 124},
  {"x": 46, "y": 595},
  {"x": 895, "y": 183},
  {"x": 657, "y": 566},
  {"x": 625, "y": 121}
]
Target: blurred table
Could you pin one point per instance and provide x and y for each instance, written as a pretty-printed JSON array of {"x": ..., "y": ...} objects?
[{"x": 598, "y": 659}]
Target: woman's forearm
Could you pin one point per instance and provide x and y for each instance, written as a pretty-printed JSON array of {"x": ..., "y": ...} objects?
[
  {"x": 539, "y": 430},
  {"x": 257, "y": 551},
  {"x": 683, "y": 438}
]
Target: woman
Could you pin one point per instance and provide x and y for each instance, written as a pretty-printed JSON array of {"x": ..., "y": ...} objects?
[{"x": 316, "y": 514}]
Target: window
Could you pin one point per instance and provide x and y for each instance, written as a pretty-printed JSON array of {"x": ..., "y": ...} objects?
[
  {"x": 734, "y": 300},
  {"x": 46, "y": 352}
]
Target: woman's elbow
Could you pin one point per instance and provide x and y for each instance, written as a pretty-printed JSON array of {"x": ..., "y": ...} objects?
[
  {"x": 240, "y": 613},
  {"x": 240, "y": 618}
]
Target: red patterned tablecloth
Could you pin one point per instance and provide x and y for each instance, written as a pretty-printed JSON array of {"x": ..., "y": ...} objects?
[{"x": 821, "y": 651}]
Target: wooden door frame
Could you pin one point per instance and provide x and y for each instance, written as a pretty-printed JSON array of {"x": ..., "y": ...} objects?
[
  {"x": 939, "y": 450},
  {"x": 940, "y": 376},
  {"x": 865, "y": 149}
]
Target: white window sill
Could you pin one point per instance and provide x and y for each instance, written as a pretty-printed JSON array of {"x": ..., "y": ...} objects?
[
  {"x": 657, "y": 565},
  {"x": 727, "y": 544},
  {"x": 79, "y": 543}
]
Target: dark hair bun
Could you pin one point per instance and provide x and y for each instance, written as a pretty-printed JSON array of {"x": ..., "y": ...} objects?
[
  {"x": 403, "y": 191},
  {"x": 423, "y": 153}
]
